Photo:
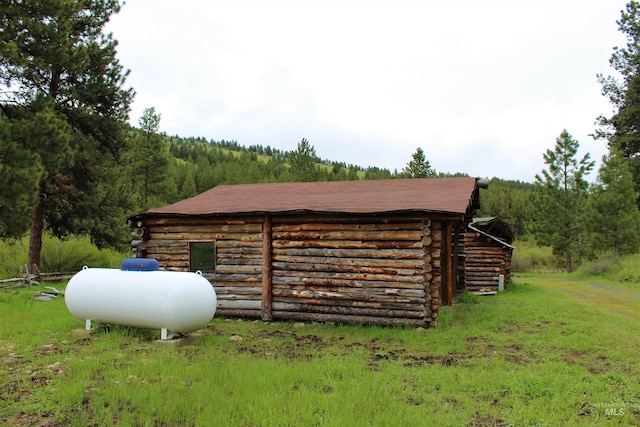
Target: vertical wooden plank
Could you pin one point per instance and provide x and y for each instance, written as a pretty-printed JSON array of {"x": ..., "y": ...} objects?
[
  {"x": 429, "y": 307},
  {"x": 454, "y": 258},
  {"x": 449, "y": 261},
  {"x": 267, "y": 269},
  {"x": 443, "y": 264}
]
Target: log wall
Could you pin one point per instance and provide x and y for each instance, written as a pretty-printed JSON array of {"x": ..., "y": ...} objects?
[
  {"x": 239, "y": 254},
  {"x": 485, "y": 260},
  {"x": 369, "y": 269}
]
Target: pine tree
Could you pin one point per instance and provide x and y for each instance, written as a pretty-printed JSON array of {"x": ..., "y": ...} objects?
[
  {"x": 303, "y": 162},
  {"x": 559, "y": 196},
  {"x": 63, "y": 95},
  {"x": 189, "y": 185},
  {"x": 419, "y": 166},
  {"x": 613, "y": 219},
  {"x": 149, "y": 157},
  {"x": 621, "y": 130}
]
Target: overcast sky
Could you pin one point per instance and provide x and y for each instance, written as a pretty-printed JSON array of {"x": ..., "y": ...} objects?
[{"x": 483, "y": 87}]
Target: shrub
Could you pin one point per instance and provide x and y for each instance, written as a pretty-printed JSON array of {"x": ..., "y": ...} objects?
[
  {"x": 74, "y": 253},
  {"x": 629, "y": 270},
  {"x": 13, "y": 255},
  {"x": 528, "y": 257},
  {"x": 467, "y": 297},
  {"x": 57, "y": 255},
  {"x": 603, "y": 263},
  {"x": 445, "y": 318}
]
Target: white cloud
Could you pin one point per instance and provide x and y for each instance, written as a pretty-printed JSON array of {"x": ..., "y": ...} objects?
[{"x": 484, "y": 87}]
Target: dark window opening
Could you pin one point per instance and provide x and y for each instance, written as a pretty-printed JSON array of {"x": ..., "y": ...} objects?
[{"x": 202, "y": 256}]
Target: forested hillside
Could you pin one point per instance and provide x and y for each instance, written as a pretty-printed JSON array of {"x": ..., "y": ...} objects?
[
  {"x": 197, "y": 164},
  {"x": 211, "y": 163}
]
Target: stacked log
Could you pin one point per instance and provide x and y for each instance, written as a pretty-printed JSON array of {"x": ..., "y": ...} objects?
[
  {"x": 368, "y": 269},
  {"x": 485, "y": 261},
  {"x": 352, "y": 270}
]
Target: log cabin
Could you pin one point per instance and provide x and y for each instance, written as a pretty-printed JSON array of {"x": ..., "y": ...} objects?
[
  {"x": 487, "y": 252},
  {"x": 381, "y": 251}
]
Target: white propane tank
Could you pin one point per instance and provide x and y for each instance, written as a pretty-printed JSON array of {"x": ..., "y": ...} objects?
[{"x": 177, "y": 301}]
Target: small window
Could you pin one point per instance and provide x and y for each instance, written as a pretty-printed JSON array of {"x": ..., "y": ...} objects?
[{"x": 203, "y": 256}]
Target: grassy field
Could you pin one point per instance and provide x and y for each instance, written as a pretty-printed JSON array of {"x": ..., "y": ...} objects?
[{"x": 547, "y": 352}]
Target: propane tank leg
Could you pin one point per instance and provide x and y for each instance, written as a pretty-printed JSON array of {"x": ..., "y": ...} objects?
[
  {"x": 163, "y": 333},
  {"x": 87, "y": 324}
]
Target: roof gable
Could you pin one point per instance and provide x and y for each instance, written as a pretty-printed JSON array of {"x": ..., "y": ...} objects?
[{"x": 444, "y": 195}]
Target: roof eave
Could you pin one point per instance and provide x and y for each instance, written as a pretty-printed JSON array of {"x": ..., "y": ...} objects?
[{"x": 161, "y": 215}]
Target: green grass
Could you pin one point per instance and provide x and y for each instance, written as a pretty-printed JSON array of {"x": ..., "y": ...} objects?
[{"x": 547, "y": 352}]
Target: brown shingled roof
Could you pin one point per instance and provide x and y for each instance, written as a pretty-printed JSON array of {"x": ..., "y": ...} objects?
[{"x": 445, "y": 195}]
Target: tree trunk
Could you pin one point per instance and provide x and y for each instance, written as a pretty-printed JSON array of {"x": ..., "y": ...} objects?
[
  {"x": 145, "y": 191},
  {"x": 569, "y": 266},
  {"x": 617, "y": 250},
  {"x": 37, "y": 227}
]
